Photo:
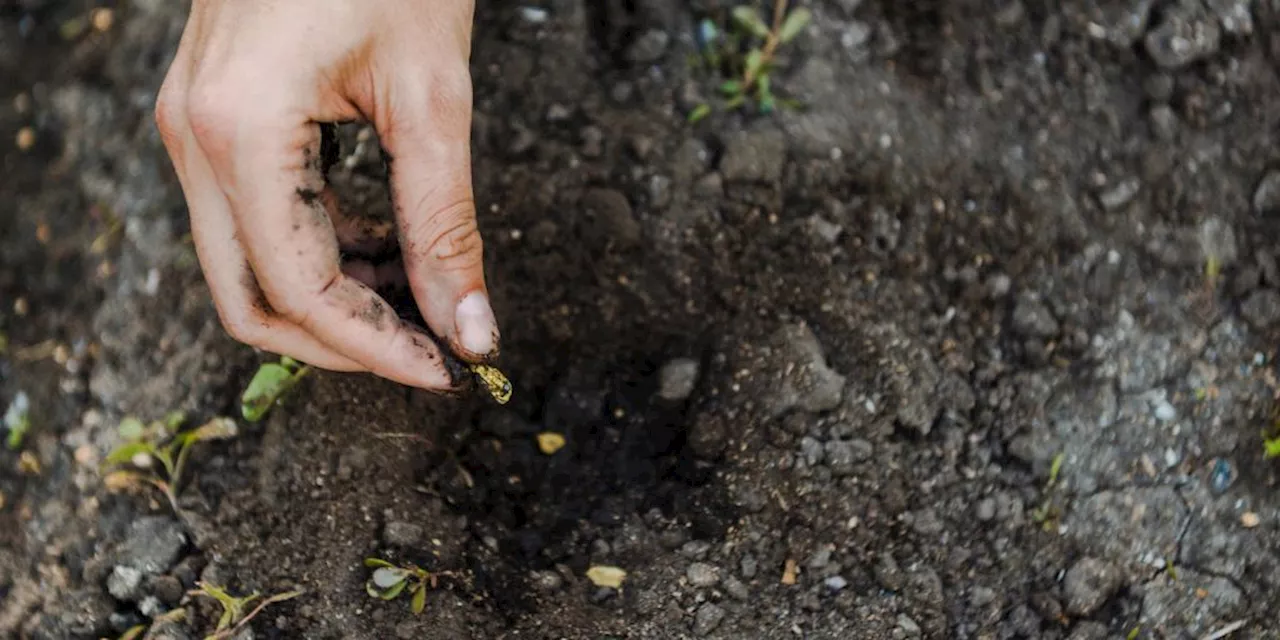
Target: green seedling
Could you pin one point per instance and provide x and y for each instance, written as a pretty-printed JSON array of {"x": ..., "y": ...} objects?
[
  {"x": 1046, "y": 515},
  {"x": 233, "y": 617},
  {"x": 135, "y": 632},
  {"x": 268, "y": 385},
  {"x": 17, "y": 421},
  {"x": 156, "y": 454},
  {"x": 746, "y": 56},
  {"x": 389, "y": 582}
]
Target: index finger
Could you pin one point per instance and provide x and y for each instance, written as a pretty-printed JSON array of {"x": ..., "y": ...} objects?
[{"x": 270, "y": 174}]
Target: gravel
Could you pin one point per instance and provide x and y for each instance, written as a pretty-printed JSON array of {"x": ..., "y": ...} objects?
[
  {"x": 701, "y": 574},
  {"x": 124, "y": 582},
  {"x": 1088, "y": 585},
  {"x": 677, "y": 379},
  {"x": 756, "y": 155},
  {"x": 709, "y": 616},
  {"x": 153, "y": 545},
  {"x": 1187, "y": 33}
]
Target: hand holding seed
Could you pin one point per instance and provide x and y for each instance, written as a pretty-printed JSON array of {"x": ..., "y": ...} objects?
[{"x": 239, "y": 113}]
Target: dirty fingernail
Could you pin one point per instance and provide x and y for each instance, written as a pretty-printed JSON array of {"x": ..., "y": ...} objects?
[{"x": 477, "y": 329}]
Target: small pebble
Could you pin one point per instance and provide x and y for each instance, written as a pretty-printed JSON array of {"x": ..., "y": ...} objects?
[
  {"x": 701, "y": 574},
  {"x": 709, "y": 617},
  {"x": 25, "y": 139},
  {"x": 1249, "y": 520},
  {"x": 836, "y": 583},
  {"x": 103, "y": 18},
  {"x": 1165, "y": 411}
]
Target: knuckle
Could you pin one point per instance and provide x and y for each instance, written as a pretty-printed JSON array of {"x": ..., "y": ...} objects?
[
  {"x": 211, "y": 112},
  {"x": 246, "y": 326},
  {"x": 169, "y": 116},
  {"x": 451, "y": 237}
]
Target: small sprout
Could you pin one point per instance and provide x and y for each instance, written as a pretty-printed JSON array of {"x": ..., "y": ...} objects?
[
  {"x": 1133, "y": 633},
  {"x": 268, "y": 385},
  {"x": 746, "y": 55},
  {"x": 233, "y": 617},
  {"x": 389, "y": 582},
  {"x": 795, "y": 23},
  {"x": 699, "y": 112},
  {"x": 606, "y": 576},
  {"x": 17, "y": 421},
  {"x": 750, "y": 21},
  {"x": 156, "y": 453},
  {"x": 550, "y": 442},
  {"x": 1271, "y": 447},
  {"x": 134, "y": 632},
  {"x": 1055, "y": 468}
]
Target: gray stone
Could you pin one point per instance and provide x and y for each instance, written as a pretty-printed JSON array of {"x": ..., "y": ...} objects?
[
  {"x": 709, "y": 617},
  {"x": 982, "y": 596},
  {"x": 124, "y": 582},
  {"x": 547, "y": 581},
  {"x": 811, "y": 450},
  {"x": 1089, "y": 584},
  {"x": 1266, "y": 197},
  {"x": 611, "y": 221},
  {"x": 677, "y": 379},
  {"x": 1262, "y": 309},
  {"x": 1120, "y": 195},
  {"x": 735, "y": 588},
  {"x": 649, "y": 47},
  {"x": 757, "y": 155},
  {"x": 835, "y": 583},
  {"x": 1194, "y": 604},
  {"x": 1235, "y": 16},
  {"x": 803, "y": 379},
  {"x": 985, "y": 509},
  {"x": 659, "y": 191},
  {"x": 153, "y": 545},
  {"x": 1186, "y": 34},
  {"x": 701, "y": 574},
  {"x": 403, "y": 534},
  {"x": 1033, "y": 319},
  {"x": 1120, "y": 22},
  {"x": 842, "y": 455},
  {"x": 909, "y": 626}
]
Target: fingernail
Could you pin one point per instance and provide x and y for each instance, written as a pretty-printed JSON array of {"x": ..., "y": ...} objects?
[{"x": 477, "y": 329}]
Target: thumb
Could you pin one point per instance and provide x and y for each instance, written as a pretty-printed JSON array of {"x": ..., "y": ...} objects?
[{"x": 430, "y": 173}]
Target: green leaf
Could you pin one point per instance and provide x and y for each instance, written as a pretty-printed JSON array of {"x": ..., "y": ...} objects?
[
  {"x": 289, "y": 363},
  {"x": 735, "y": 102},
  {"x": 731, "y": 87},
  {"x": 420, "y": 599},
  {"x": 699, "y": 112},
  {"x": 392, "y": 592},
  {"x": 174, "y": 420},
  {"x": 765, "y": 95},
  {"x": 794, "y": 24},
  {"x": 125, "y": 453},
  {"x": 17, "y": 420},
  {"x": 268, "y": 384},
  {"x": 755, "y": 62},
  {"x": 1055, "y": 468},
  {"x": 134, "y": 632},
  {"x": 131, "y": 428},
  {"x": 750, "y": 21},
  {"x": 1272, "y": 446},
  {"x": 219, "y": 428},
  {"x": 378, "y": 562}
]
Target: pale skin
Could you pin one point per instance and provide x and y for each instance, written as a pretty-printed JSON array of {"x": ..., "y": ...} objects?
[{"x": 238, "y": 112}]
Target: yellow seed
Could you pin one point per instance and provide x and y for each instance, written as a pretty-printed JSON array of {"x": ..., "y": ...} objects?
[
  {"x": 550, "y": 442},
  {"x": 497, "y": 384},
  {"x": 606, "y": 576}
]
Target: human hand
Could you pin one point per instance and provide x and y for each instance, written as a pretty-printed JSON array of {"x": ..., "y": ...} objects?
[{"x": 239, "y": 113}]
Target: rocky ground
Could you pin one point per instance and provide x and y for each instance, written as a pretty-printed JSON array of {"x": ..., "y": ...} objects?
[{"x": 979, "y": 344}]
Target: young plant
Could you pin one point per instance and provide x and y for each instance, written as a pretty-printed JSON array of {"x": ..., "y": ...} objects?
[
  {"x": 233, "y": 617},
  {"x": 156, "y": 454},
  {"x": 17, "y": 421},
  {"x": 268, "y": 385},
  {"x": 389, "y": 582},
  {"x": 746, "y": 55}
]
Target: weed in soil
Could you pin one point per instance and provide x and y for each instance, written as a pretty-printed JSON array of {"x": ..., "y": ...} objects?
[
  {"x": 745, "y": 56},
  {"x": 159, "y": 442}
]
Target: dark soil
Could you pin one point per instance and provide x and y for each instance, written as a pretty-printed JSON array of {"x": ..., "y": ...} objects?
[{"x": 813, "y": 369}]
